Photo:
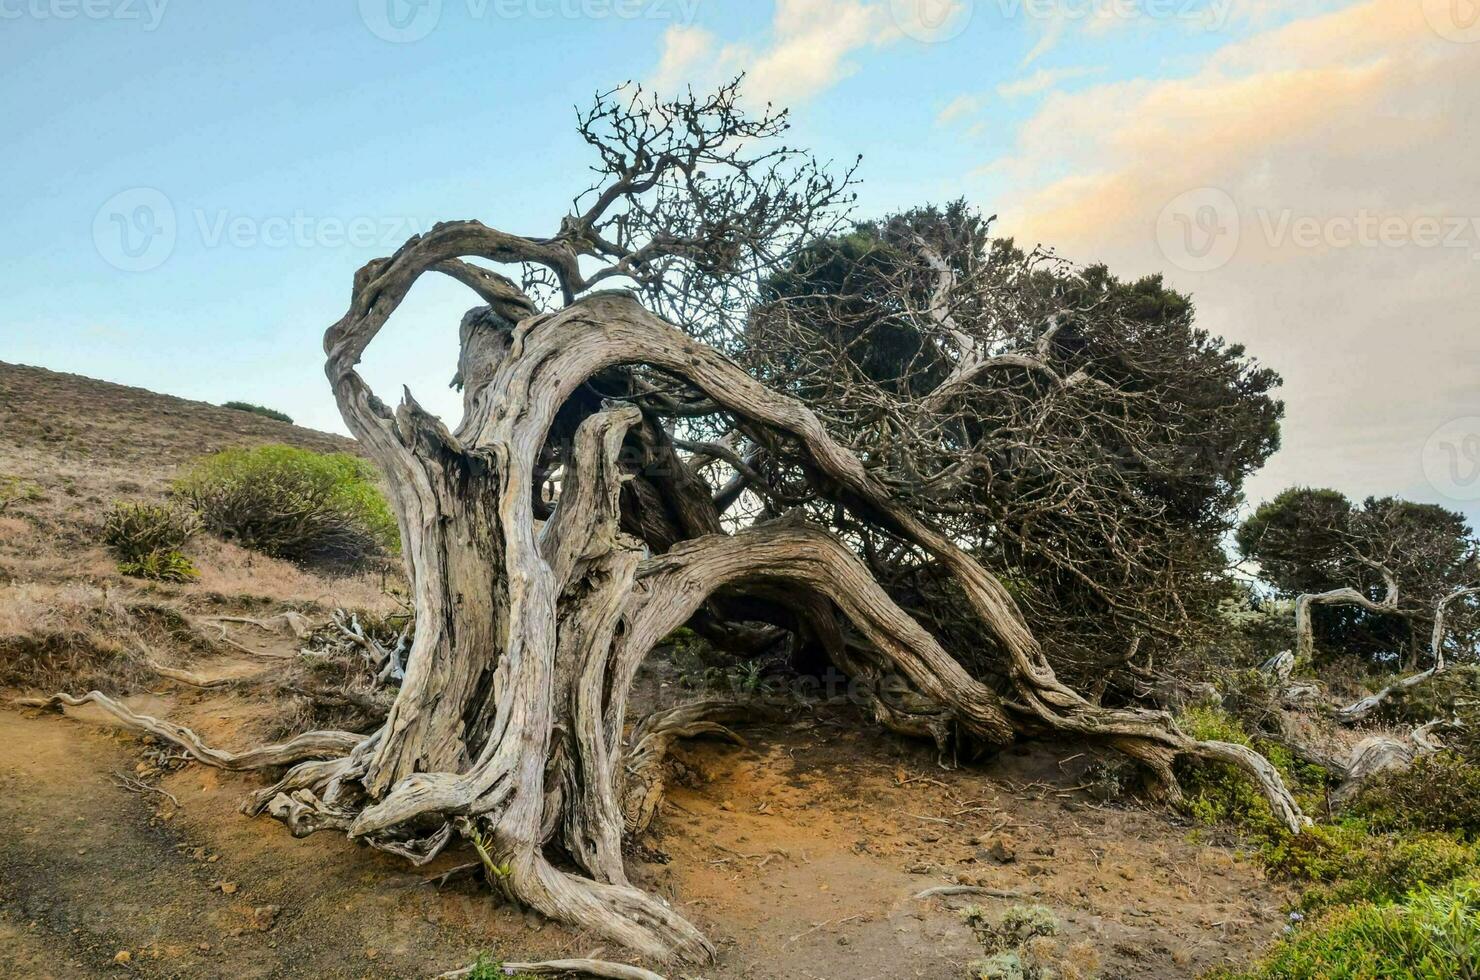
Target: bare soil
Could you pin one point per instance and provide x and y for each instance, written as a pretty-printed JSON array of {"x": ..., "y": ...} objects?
[{"x": 799, "y": 854}]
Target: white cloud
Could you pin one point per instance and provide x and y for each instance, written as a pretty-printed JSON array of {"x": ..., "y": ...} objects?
[
  {"x": 1364, "y": 116},
  {"x": 1042, "y": 80},
  {"x": 961, "y": 107},
  {"x": 808, "y": 49}
]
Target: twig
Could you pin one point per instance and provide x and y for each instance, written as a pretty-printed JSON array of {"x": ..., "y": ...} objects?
[
  {"x": 132, "y": 784},
  {"x": 946, "y": 890}
]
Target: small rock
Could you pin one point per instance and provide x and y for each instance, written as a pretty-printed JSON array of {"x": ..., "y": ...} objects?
[
  {"x": 1001, "y": 851},
  {"x": 264, "y": 917}
]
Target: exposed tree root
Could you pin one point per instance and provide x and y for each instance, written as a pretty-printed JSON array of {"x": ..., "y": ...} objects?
[{"x": 310, "y": 745}]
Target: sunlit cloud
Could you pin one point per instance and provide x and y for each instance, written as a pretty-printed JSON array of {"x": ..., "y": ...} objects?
[
  {"x": 808, "y": 49},
  {"x": 1311, "y": 186}
]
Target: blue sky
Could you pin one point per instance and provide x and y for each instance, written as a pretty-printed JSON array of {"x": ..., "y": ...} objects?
[{"x": 292, "y": 142}]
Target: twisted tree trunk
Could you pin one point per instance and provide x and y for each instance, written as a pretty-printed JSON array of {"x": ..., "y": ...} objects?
[{"x": 509, "y": 725}]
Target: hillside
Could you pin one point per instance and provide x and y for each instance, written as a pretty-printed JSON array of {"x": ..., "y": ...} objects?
[{"x": 801, "y": 852}]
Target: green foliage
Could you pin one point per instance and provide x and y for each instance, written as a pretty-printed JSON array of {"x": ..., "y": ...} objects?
[
  {"x": 1217, "y": 794},
  {"x": 14, "y": 490},
  {"x": 262, "y": 410},
  {"x": 487, "y": 968},
  {"x": 1346, "y": 863},
  {"x": 1434, "y": 935},
  {"x": 1455, "y": 689},
  {"x": 1300, "y": 539},
  {"x": 322, "y": 508},
  {"x": 701, "y": 667},
  {"x": 1315, "y": 540},
  {"x": 135, "y": 530},
  {"x": 1438, "y": 792},
  {"x": 161, "y": 566},
  {"x": 147, "y": 538}
]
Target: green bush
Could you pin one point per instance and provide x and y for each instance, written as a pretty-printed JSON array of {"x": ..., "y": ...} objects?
[
  {"x": 1346, "y": 863},
  {"x": 147, "y": 538},
  {"x": 1217, "y": 793},
  {"x": 320, "y": 508},
  {"x": 1435, "y": 935},
  {"x": 1438, "y": 792},
  {"x": 262, "y": 410}
]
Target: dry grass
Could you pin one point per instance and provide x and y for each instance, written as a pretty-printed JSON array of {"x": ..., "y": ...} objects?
[
  {"x": 70, "y": 447},
  {"x": 78, "y": 635}
]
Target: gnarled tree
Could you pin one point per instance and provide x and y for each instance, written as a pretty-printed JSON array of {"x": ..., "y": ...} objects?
[{"x": 555, "y": 535}]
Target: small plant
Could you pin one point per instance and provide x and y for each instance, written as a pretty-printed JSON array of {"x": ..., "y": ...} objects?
[
  {"x": 321, "y": 508},
  {"x": 147, "y": 538},
  {"x": 262, "y": 410},
  {"x": 13, "y": 490},
  {"x": 161, "y": 566},
  {"x": 1021, "y": 946},
  {"x": 498, "y": 874},
  {"x": 488, "y": 968}
]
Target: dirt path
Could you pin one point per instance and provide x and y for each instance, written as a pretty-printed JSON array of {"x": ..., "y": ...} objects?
[{"x": 798, "y": 855}]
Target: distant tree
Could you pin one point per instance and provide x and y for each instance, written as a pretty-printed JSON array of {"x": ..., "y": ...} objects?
[
  {"x": 262, "y": 410},
  {"x": 1400, "y": 557}
]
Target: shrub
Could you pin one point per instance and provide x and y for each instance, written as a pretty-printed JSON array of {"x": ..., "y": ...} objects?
[
  {"x": 1438, "y": 792},
  {"x": 1217, "y": 793},
  {"x": 1021, "y": 946},
  {"x": 1435, "y": 935},
  {"x": 1347, "y": 864},
  {"x": 321, "y": 508},
  {"x": 262, "y": 410},
  {"x": 147, "y": 538},
  {"x": 162, "y": 566}
]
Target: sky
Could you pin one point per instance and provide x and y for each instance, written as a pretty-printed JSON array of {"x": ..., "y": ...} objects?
[{"x": 191, "y": 186}]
